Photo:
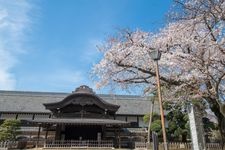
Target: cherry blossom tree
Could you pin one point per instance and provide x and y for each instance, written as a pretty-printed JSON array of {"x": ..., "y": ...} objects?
[{"x": 192, "y": 65}]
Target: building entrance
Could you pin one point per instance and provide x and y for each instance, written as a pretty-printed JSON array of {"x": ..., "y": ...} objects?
[{"x": 82, "y": 132}]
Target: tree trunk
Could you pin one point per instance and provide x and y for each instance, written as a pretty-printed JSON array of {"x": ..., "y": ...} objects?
[
  {"x": 221, "y": 119},
  {"x": 221, "y": 129}
]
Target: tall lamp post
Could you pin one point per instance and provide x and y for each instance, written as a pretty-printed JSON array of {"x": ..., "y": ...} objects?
[
  {"x": 156, "y": 55},
  {"x": 150, "y": 120}
]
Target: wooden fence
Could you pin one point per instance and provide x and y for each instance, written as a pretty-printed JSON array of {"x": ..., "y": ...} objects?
[
  {"x": 4, "y": 145},
  {"x": 178, "y": 146},
  {"x": 78, "y": 143},
  {"x": 214, "y": 146}
]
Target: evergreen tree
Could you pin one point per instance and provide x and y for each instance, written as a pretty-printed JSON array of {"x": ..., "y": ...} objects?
[
  {"x": 178, "y": 124},
  {"x": 9, "y": 129}
]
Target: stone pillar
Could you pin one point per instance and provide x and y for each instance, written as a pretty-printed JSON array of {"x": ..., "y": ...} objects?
[{"x": 196, "y": 128}]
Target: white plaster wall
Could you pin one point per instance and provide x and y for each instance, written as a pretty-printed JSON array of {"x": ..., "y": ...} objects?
[
  {"x": 39, "y": 116},
  {"x": 122, "y": 118},
  {"x": 8, "y": 116},
  {"x": 132, "y": 119},
  {"x": 25, "y": 116}
]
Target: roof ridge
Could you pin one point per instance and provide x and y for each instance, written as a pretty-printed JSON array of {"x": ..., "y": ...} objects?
[{"x": 14, "y": 92}]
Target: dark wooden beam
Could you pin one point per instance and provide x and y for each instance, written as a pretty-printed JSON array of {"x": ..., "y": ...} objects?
[{"x": 38, "y": 137}]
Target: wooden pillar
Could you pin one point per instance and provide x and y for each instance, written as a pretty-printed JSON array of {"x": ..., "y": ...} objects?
[
  {"x": 33, "y": 116},
  {"x": 17, "y": 116},
  {"x": 115, "y": 139},
  {"x": 38, "y": 137},
  {"x": 58, "y": 132},
  {"x": 103, "y": 131},
  {"x": 119, "y": 140},
  {"x": 46, "y": 133},
  {"x": 138, "y": 121}
]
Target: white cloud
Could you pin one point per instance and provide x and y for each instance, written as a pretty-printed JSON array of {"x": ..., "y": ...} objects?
[
  {"x": 14, "y": 22},
  {"x": 91, "y": 52},
  {"x": 7, "y": 80},
  {"x": 61, "y": 80},
  {"x": 64, "y": 78}
]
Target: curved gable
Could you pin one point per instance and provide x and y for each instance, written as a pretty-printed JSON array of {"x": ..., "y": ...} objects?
[{"x": 82, "y": 96}]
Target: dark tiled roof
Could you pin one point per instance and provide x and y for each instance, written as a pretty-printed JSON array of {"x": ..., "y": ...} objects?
[
  {"x": 18, "y": 101},
  {"x": 80, "y": 121},
  {"x": 85, "y": 93}
]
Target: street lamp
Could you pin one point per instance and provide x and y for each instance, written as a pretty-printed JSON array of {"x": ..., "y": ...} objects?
[{"x": 156, "y": 55}]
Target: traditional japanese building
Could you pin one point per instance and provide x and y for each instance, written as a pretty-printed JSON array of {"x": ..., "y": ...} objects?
[{"x": 82, "y": 115}]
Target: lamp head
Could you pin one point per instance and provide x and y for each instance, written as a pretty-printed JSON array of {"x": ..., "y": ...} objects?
[{"x": 155, "y": 55}]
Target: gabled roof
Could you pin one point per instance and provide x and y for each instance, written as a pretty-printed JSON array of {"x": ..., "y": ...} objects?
[
  {"x": 27, "y": 101},
  {"x": 83, "y": 95}
]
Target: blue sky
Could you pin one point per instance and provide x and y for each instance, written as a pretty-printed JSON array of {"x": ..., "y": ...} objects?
[{"x": 50, "y": 45}]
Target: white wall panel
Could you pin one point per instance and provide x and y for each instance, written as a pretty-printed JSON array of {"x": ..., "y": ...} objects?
[
  {"x": 8, "y": 116},
  {"x": 39, "y": 116},
  {"x": 25, "y": 116},
  {"x": 132, "y": 119},
  {"x": 122, "y": 118}
]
